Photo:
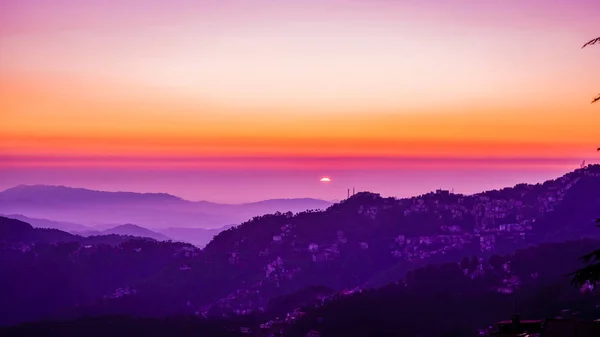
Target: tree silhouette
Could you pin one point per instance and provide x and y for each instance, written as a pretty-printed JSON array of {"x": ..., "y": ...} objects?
[
  {"x": 590, "y": 273},
  {"x": 590, "y": 43}
]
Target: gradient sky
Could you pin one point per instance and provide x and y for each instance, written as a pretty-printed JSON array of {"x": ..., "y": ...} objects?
[{"x": 243, "y": 100}]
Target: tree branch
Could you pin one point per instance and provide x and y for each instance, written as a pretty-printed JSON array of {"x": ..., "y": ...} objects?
[
  {"x": 589, "y": 273},
  {"x": 591, "y": 42}
]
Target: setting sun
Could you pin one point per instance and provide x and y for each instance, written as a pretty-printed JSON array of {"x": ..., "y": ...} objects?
[{"x": 325, "y": 180}]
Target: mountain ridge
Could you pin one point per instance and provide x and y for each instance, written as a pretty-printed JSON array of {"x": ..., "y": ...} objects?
[
  {"x": 17, "y": 231},
  {"x": 150, "y": 210},
  {"x": 36, "y": 188}
]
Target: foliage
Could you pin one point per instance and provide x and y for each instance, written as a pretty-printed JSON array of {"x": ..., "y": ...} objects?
[
  {"x": 457, "y": 303},
  {"x": 123, "y": 326},
  {"x": 444, "y": 293},
  {"x": 591, "y": 272},
  {"x": 590, "y": 43}
]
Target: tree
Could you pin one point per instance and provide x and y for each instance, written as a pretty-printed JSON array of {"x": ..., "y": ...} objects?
[
  {"x": 590, "y": 273},
  {"x": 590, "y": 43}
]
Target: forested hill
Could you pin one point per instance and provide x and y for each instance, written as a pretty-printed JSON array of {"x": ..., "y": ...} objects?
[
  {"x": 459, "y": 299},
  {"x": 17, "y": 233},
  {"x": 362, "y": 242},
  {"x": 368, "y": 240},
  {"x": 451, "y": 299}
]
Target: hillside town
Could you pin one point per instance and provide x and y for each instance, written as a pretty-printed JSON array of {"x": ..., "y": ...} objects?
[{"x": 505, "y": 216}]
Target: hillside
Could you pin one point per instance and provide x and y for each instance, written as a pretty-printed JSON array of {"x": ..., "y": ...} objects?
[
  {"x": 461, "y": 298},
  {"x": 149, "y": 210},
  {"x": 364, "y": 241},
  {"x": 124, "y": 326},
  {"x": 17, "y": 233},
  {"x": 368, "y": 240},
  {"x": 49, "y": 273},
  {"x": 199, "y": 237},
  {"x": 45, "y": 223},
  {"x": 129, "y": 230}
]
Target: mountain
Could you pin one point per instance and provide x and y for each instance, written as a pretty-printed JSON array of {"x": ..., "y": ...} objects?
[
  {"x": 45, "y": 223},
  {"x": 363, "y": 242},
  {"x": 22, "y": 234},
  {"x": 129, "y": 230},
  {"x": 199, "y": 237},
  {"x": 370, "y": 241},
  {"x": 62, "y": 194},
  {"x": 150, "y": 210},
  {"x": 48, "y": 273}
]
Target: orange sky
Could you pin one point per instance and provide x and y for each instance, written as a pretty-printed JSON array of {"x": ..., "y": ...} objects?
[{"x": 50, "y": 116}]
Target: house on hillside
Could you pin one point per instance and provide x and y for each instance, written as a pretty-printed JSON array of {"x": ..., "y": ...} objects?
[
  {"x": 313, "y": 333},
  {"x": 272, "y": 328}
]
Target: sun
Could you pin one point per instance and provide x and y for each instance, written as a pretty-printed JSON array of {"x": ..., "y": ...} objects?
[{"x": 325, "y": 180}]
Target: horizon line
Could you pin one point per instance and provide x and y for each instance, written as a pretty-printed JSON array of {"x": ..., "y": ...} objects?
[{"x": 331, "y": 202}]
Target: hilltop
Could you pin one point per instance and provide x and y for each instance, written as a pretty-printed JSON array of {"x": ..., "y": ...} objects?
[{"x": 45, "y": 223}]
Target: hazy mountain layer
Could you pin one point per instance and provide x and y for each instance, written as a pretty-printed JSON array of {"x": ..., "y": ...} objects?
[{"x": 150, "y": 210}]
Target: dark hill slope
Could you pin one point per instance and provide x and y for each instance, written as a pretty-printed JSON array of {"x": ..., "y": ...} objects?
[
  {"x": 457, "y": 299},
  {"x": 368, "y": 236},
  {"x": 13, "y": 231}
]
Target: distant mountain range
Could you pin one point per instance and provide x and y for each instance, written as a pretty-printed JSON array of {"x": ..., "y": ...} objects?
[
  {"x": 17, "y": 231},
  {"x": 199, "y": 237},
  {"x": 150, "y": 210}
]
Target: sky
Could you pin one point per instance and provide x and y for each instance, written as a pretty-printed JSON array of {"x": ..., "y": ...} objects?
[{"x": 236, "y": 101}]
